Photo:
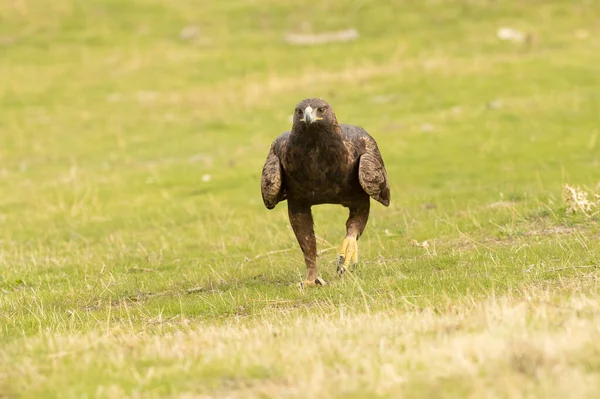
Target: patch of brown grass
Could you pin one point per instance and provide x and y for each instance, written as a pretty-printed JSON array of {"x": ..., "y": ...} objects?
[{"x": 511, "y": 346}]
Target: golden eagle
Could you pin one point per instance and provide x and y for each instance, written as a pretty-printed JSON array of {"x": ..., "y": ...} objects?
[{"x": 322, "y": 162}]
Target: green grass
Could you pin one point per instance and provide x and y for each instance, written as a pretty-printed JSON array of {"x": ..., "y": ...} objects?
[{"x": 123, "y": 273}]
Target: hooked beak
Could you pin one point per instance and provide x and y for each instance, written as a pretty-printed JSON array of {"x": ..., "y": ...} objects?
[{"x": 310, "y": 115}]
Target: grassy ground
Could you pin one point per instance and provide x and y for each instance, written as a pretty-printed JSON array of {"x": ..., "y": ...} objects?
[{"x": 136, "y": 257}]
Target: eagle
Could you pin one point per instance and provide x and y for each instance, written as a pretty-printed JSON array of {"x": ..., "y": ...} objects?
[{"x": 320, "y": 161}]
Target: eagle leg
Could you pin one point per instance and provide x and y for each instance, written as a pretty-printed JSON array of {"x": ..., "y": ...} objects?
[
  {"x": 355, "y": 225},
  {"x": 302, "y": 223}
]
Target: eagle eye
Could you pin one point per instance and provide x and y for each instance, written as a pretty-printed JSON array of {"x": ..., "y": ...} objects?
[
  {"x": 321, "y": 110},
  {"x": 298, "y": 112}
]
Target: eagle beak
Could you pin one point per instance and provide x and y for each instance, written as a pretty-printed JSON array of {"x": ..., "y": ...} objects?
[{"x": 310, "y": 115}]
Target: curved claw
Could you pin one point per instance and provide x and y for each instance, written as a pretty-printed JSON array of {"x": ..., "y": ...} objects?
[
  {"x": 318, "y": 282},
  {"x": 341, "y": 269}
]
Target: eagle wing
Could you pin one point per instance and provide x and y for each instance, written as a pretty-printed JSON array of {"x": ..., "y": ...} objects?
[
  {"x": 371, "y": 172},
  {"x": 271, "y": 182}
]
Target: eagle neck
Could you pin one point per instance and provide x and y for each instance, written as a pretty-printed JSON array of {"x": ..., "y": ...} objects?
[{"x": 319, "y": 136}]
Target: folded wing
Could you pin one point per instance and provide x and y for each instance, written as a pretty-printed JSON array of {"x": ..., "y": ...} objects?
[
  {"x": 271, "y": 180},
  {"x": 372, "y": 175}
]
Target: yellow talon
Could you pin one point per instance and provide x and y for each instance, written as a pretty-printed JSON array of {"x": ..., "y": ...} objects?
[{"x": 347, "y": 255}]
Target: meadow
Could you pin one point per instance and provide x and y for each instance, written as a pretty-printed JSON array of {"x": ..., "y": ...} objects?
[{"x": 138, "y": 260}]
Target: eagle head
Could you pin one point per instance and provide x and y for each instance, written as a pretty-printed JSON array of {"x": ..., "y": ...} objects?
[{"x": 312, "y": 113}]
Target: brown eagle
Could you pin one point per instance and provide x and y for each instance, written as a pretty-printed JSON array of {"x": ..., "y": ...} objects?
[{"x": 322, "y": 162}]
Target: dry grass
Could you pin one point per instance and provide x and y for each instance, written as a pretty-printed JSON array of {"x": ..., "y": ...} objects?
[
  {"x": 577, "y": 201},
  {"x": 528, "y": 344}
]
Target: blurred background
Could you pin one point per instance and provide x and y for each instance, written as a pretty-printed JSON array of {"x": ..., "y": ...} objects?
[{"x": 133, "y": 132}]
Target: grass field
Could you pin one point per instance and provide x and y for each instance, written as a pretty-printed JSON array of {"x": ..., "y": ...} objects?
[{"x": 137, "y": 258}]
